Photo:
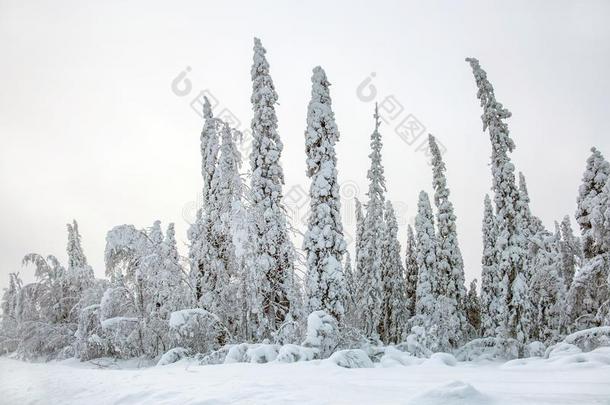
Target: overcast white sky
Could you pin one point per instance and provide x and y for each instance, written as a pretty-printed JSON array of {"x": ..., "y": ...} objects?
[{"x": 91, "y": 129}]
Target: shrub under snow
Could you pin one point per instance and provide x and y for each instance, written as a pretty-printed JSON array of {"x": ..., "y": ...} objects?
[
  {"x": 252, "y": 353},
  {"x": 197, "y": 329},
  {"x": 354, "y": 358},
  {"x": 488, "y": 348},
  {"x": 322, "y": 335},
  {"x": 173, "y": 355},
  {"x": 293, "y": 353},
  {"x": 590, "y": 339}
]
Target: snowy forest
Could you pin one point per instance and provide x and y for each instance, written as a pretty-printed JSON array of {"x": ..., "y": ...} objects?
[{"x": 238, "y": 296}]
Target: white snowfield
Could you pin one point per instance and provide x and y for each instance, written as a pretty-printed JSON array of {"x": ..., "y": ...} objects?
[{"x": 568, "y": 378}]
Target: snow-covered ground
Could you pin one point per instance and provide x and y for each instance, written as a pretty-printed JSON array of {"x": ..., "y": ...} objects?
[{"x": 571, "y": 378}]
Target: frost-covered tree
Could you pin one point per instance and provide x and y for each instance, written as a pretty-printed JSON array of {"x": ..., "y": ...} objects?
[
  {"x": 571, "y": 251},
  {"x": 593, "y": 180},
  {"x": 394, "y": 312},
  {"x": 600, "y": 230},
  {"x": 426, "y": 307},
  {"x": 532, "y": 228},
  {"x": 588, "y": 302},
  {"x": 547, "y": 288},
  {"x": 80, "y": 277},
  {"x": 473, "y": 310},
  {"x": 448, "y": 255},
  {"x": 274, "y": 250},
  {"x": 323, "y": 243},
  {"x": 369, "y": 255},
  {"x": 350, "y": 290},
  {"x": 532, "y": 224},
  {"x": 491, "y": 306},
  {"x": 9, "y": 338},
  {"x": 199, "y": 233},
  {"x": 146, "y": 287},
  {"x": 411, "y": 270},
  {"x": 210, "y": 146},
  {"x": 44, "y": 310},
  {"x": 359, "y": 261},
  {"x": 510, "y": 245},
  {"x": 224, "y": 273}
]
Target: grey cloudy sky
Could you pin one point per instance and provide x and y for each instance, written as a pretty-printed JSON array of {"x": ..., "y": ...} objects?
[{"x": 91, "y": 129}]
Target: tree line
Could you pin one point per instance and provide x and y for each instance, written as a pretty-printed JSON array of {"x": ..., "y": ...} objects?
[{"x": 239, "y": 282}]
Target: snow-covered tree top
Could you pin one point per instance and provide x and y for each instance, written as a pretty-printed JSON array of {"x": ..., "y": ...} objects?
[
  {"x": 493, "y": 111},
  {"x": 76, "y": 256},
  {"x": 375, "y": 174}
]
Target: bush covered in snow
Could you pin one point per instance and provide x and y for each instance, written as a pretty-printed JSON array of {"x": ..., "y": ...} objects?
[
  {"x": 252, "y": 353},
  {"x": 590, "y": 339},
  {"x": 321, "y": 334},
  {"x": 293, "y": 353},
  {"x": 197, "y": 330},
  {"x": 354, "y": 358},
  {"x": 488, "y": 348},
  {"x": 173, "y": 355},
  {"x": 535, "y": 349},
  {"x": 392, "y": 356},
  {"x": 418, "y": 342},
  {"x": 124, "y": 336},
  {"x": 90, "y": 340}
]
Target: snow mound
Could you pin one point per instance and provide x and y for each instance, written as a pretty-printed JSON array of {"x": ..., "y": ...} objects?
[
  {"x": 590, "y": 339},
  {"x": 564, "y": 356},
  {"x": 214, "y": 357},
  {"x": 354, "y": 358},
  {"x": 490, "y": 348},
  {"x": 561, "y": 349},
  {"x": 453, "y": 393},
  {"x": 180, "y": 318},
  {"x": 441, "y": 359},
  {"x": 252, "y": 353},
  {"x": 293, "y": 353},
  {"x": 393, "y": 357},
  {"x": 173, "y": 355},
  {"x": 535, "y": 349}
]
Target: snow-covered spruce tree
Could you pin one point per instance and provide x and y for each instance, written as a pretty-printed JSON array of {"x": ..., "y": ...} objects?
[
  {"x": 532, "y": 228},
  {"x": 593, "y": 180},
  {"x": 394, "y": 313},
  {"x": 426, "y": 306},
  {"x": 491, "y": 306},
  {"x": 600, "y": 227},
  {"x": 571, "y": 251},
  {"x": 225, "y": 192},
  {"x": 350, "y": 291},
  {"x": 79, "y": 274},
  {"x": 359, "y": 262},
  {"x": 199, "y": 232},
  {"x": 210, "y": 146},
  {"x": 369, "y": 256},
  {"x": 532, "y": 224},
  {"x": 176, "y": 294},
  {"x": 473, "y": 310},
  {"x": 411, "y": 270},
  {"x": 588, "y": 303},
  {"x": 448, "y": 255},
  {"x": 274, "y": 250},
  {"x": 547, "y": 289},
  {"x": 510, "y": 243},
  {"x": 323, "y": 242}
]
